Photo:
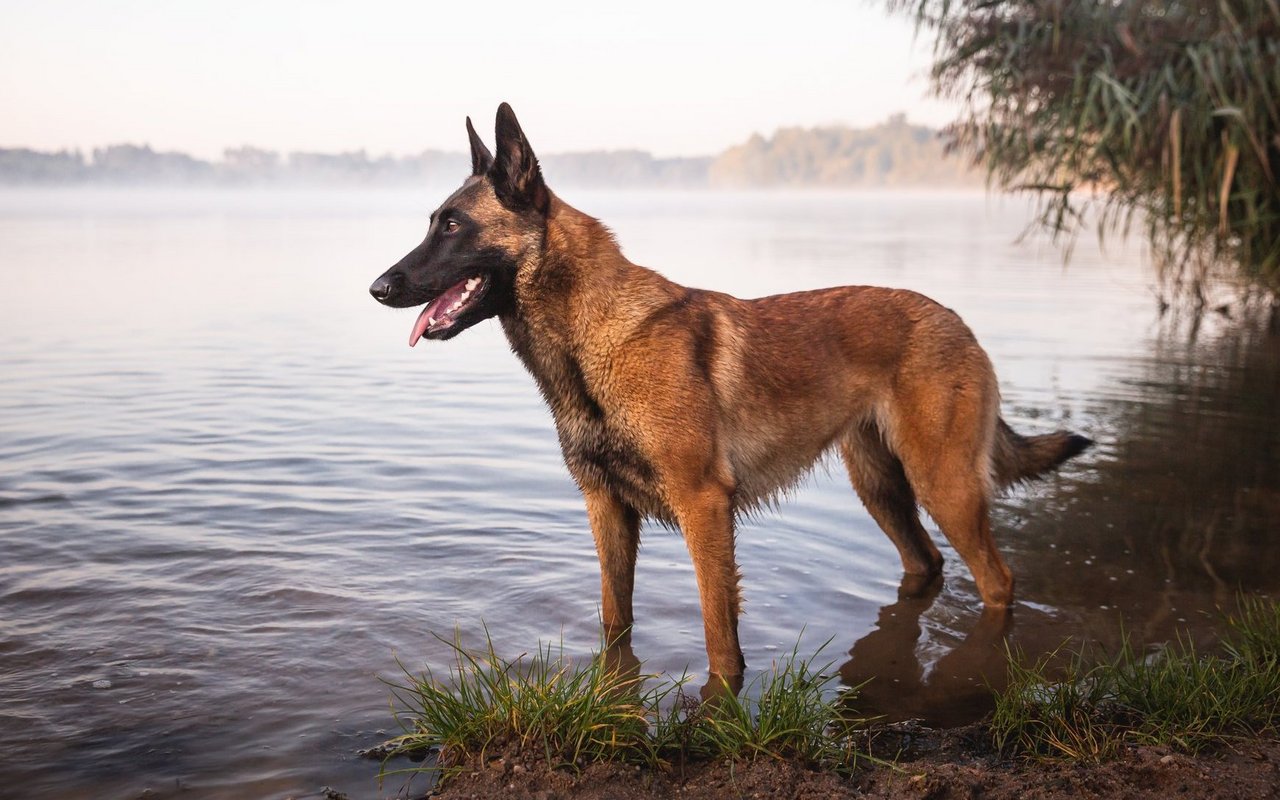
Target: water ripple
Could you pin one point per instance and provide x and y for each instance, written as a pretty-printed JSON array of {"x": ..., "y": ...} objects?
[{"x": 223, "y": 516}]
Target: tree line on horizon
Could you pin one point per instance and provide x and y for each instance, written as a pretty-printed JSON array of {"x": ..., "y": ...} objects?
[{"x": 892, "y": 154}]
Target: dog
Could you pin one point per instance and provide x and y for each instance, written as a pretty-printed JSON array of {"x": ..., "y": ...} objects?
[{"x": 691, "y": 407}]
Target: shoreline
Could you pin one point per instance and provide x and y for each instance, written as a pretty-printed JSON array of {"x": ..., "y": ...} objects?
[{"x": 931, "y": 763}]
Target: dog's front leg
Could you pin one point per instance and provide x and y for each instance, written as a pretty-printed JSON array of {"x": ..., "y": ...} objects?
[
  {"x": 706, "y": 518},
  {"x": 616, "y": 528}
]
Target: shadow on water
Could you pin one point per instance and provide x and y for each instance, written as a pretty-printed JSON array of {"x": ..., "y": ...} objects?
[
  {"x": 895, "y": 683},
  {"x": 1155, "y": 532}
]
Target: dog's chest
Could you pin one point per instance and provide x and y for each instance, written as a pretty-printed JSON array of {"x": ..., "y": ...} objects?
[{"x": 594, "y": 438}]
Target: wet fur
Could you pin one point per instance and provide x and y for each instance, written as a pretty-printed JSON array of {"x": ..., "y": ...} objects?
[{"x": 691, "y": 406}]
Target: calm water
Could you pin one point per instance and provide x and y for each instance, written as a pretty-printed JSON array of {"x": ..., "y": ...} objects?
[{"x": 231, "y": 496}]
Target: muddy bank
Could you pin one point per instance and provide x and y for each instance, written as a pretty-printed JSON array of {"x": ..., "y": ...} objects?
[{"x": 957, "y": 763}]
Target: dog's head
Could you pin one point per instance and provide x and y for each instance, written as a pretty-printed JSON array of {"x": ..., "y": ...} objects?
[{"x": 479, "y": 238}]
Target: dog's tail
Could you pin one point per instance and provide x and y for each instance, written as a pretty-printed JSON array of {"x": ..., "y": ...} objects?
[{"x": 1018, "y": 458}]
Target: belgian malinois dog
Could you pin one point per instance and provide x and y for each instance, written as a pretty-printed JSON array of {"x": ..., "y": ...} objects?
[{"x": 690, "y": 406}]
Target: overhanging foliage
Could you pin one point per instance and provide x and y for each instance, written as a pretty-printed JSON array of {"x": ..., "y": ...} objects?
[{"x": 1167, "y": 110}]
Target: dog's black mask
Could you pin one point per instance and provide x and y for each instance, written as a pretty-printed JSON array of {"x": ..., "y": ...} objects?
[{"x": 465, "y": 268}]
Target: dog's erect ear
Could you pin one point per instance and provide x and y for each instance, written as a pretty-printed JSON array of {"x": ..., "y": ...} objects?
[
  {"x": 516, "y": 178},
  {"x": 481, "y": 158}
]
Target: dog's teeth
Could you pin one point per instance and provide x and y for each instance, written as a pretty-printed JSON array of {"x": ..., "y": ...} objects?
[
  {"x": 473, "y": 283},
  {"x": 431, "y": 321},
  {"x": 464, "y": 297}
]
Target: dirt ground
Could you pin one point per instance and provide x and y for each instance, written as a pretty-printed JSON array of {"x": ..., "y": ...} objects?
[{"x": 934, "y": 765}]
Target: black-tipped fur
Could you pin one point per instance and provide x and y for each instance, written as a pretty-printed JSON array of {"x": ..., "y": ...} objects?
[
  {"x": 1021, "y": 458},
  {"x": 517, "y": 179},
  {"x": 481, "y": 158}
]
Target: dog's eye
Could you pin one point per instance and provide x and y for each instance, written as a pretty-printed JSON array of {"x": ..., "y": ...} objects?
[{"x": 450, "y": 226}]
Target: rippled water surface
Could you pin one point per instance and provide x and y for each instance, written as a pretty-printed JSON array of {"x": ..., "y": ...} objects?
[{"x": 231, "y": 496}]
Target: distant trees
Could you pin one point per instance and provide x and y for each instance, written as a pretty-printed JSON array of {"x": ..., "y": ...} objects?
[
  {"x": 250, "y": 164},
  {"x": 21, "y": 165},
  {"x": 140, "y": 164},
  {"x": 624, "y": 168},
  {"x": 131, "y": 163},
  {"x": 1170, "y": 109},
  {"x": 894, "y": 153}
]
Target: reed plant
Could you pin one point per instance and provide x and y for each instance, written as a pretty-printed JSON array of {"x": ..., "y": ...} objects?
[{"x": 1167, "y": 113}]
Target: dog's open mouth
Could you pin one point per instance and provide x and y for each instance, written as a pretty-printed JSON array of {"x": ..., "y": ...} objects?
[{"x": 441, "y": 314}]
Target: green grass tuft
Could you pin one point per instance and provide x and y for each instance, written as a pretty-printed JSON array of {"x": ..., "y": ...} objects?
[
  {"x": 575, "y": 714},
  {"x": 1176, "y": 696},
  {"x": 1064, "y": 719},
  {"x": 781, "y": 715},
  {"x": 1255, "y": 631},
  {"x": 569, "y": 714}
]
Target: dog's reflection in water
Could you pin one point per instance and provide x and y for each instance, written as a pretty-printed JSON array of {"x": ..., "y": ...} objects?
[
  {"x": 956, "y": 689},
  {"x": 620, "y": 659}
]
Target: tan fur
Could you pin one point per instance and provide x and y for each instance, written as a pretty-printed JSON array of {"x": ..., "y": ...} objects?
[{"x": 689, "y": 406}]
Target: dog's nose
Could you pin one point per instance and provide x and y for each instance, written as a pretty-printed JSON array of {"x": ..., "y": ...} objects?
[{"x": 382, "y": 288}]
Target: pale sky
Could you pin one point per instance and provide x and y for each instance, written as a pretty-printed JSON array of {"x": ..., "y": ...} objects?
[{"x": 675, "y": 78}]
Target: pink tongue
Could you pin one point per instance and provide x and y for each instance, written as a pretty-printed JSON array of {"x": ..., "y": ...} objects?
[
  {"x": 436, "y": 308},
  {"x": 420, "y": 326}
]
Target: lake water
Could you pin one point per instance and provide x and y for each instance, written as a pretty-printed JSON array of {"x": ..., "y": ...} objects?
[{"x": 231, "y": 496}]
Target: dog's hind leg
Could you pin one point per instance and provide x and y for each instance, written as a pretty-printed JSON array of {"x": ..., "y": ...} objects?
[
  {"x": 616, "y": 528},
  {"x": 878, "y": 478},
  {"x": 962, "y": 512},
  {"x": 944, "y": 411},
  {"x": 948, "y": 466}
]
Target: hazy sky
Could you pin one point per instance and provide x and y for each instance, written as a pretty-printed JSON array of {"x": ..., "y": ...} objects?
[{"x": 676, "y": 78}]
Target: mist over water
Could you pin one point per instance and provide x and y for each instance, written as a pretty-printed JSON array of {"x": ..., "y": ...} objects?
[{"x": 231, "y": 496}]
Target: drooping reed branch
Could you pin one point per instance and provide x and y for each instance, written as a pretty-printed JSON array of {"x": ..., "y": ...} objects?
[{"x": 1163, "y": 112}]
